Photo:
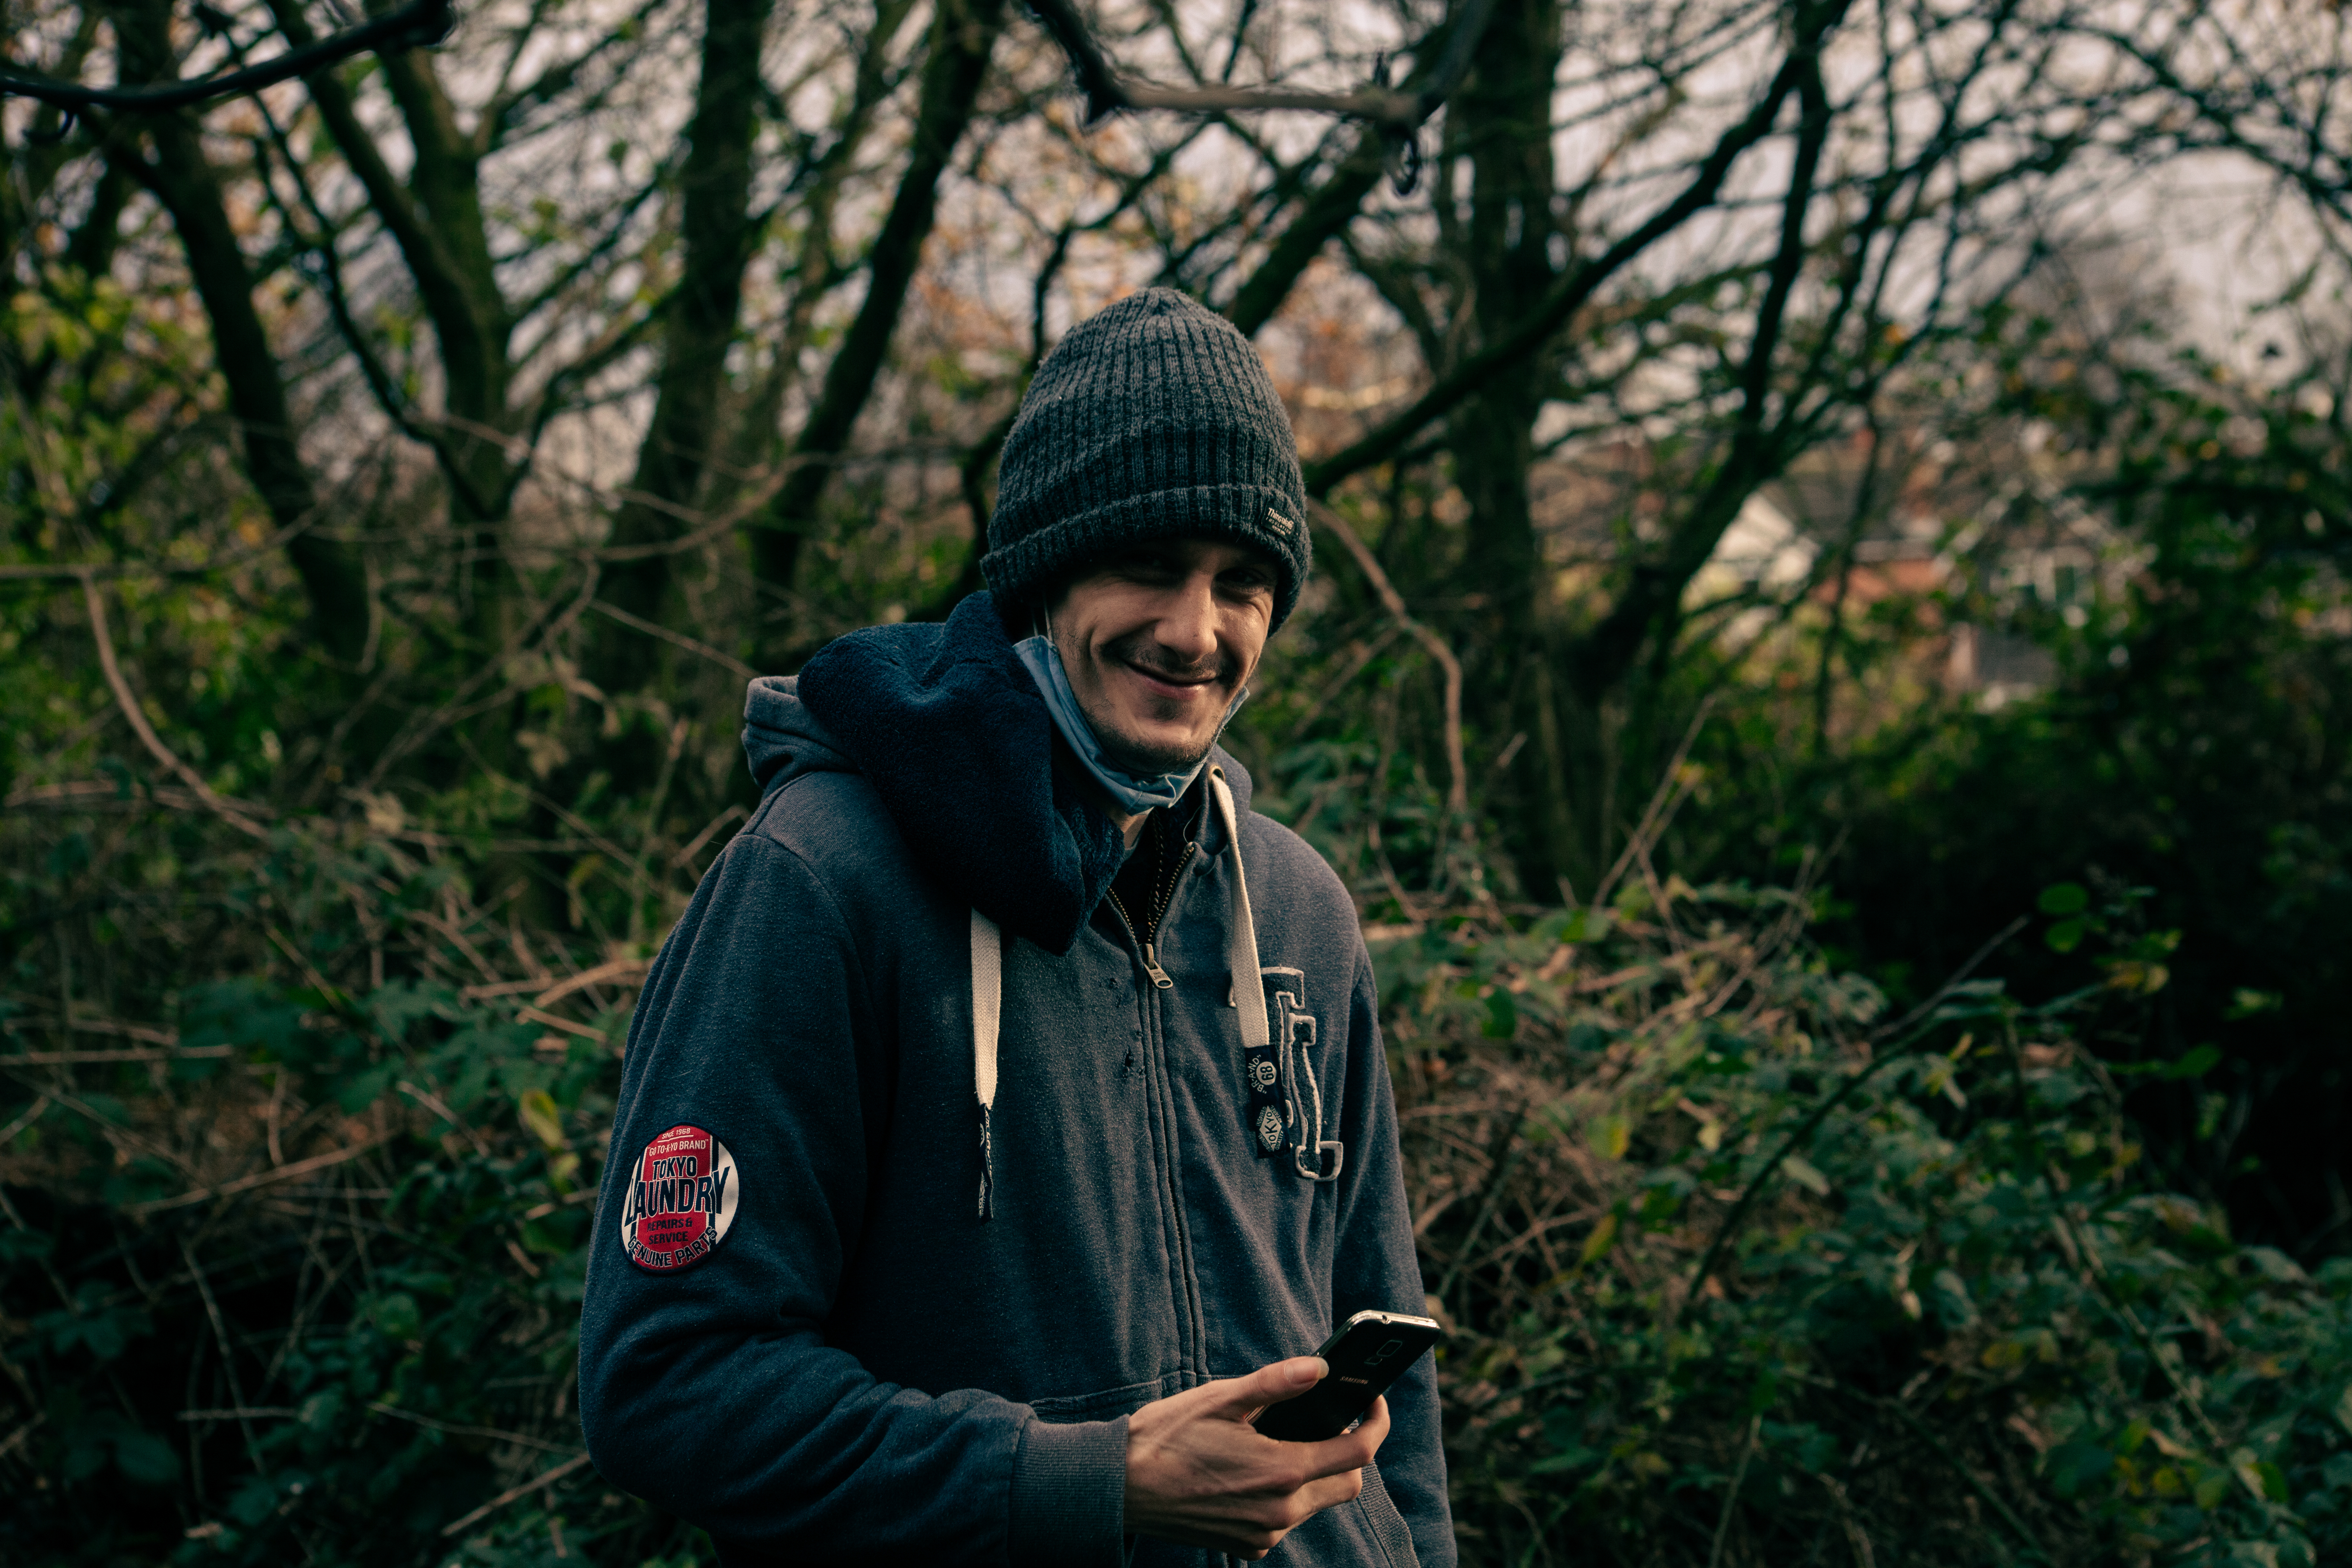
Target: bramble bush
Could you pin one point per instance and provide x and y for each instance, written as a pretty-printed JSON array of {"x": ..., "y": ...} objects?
[
  {"x": 1743, "y": 1269},
  {"x": 1739, "y": 1267},
  {"x": 296, "y": 1274}
]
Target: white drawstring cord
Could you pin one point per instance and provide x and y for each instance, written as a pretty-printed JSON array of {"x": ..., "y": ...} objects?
[
  {"x": 987, "y": 1009},
  {"x": 1241, "y": 940},
  {"x": 1242, "y": 954}
]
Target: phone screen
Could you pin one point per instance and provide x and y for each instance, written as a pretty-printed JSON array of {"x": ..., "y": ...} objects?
[{"x": 1368, "y": 1352}]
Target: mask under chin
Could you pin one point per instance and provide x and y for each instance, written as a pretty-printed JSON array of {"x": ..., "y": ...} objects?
[{"x": 1134, "y": 792}]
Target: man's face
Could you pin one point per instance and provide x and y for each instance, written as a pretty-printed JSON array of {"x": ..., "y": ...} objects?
[{"x": 1157, "y": 641}]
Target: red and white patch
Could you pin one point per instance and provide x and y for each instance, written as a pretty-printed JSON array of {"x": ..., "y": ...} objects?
[{"x": 681, "y": 1200}]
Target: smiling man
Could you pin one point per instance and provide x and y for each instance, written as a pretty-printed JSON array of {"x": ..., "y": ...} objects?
[{"x": 1006, "y": 1119}]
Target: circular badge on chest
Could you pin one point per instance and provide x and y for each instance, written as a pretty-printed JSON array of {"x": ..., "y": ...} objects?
[{"x": 681, "y": 1202}]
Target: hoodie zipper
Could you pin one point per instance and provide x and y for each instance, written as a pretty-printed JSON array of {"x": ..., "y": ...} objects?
[
  {"x": 1148, "y": 946},
  {"x": 1195, "y": 1336}
]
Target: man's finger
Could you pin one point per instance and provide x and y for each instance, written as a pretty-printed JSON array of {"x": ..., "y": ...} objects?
[
  {"x": 1350, "y": 1450},
  {"x": 1240, "y": 1397}
]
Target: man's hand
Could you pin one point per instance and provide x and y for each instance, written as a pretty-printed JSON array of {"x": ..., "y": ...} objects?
[{"x": 1199, "y": 1473}]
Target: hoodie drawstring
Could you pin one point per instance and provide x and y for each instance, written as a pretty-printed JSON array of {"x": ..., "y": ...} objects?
[{"x": 987, "y": 1008}]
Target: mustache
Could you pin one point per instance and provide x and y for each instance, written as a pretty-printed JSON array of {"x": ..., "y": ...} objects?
[{"x": 1143, "y": 651}]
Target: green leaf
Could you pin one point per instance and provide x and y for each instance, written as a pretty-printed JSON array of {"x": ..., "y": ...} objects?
[
  {"x": 2074, "y": 1466},
  {"x": 543, "y": 1121},
  {"x": 2066, "y": 936},
  {"x": 1502, "y": 1016},
  {"x": 396, "y": 1317},
  {"x": 2194, "y": 1063},
  {"x": 1610, "y": 1135},
  {"x": 1802, "y": 1172},
  {"x": 2065, "y": 898},
  {"x": 2247, "y": 1003},
  {"x": 1603, "y": 1236},
  {"x": 146, "y": 1459},
  {"x": 23, "y": 1244},
  {"x": 1950, "y": 1294}
]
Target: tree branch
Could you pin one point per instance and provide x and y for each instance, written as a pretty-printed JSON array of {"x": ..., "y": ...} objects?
[
  {"x": 418, "y": 24},
  {"x": 1573, "y": 292},
  {"x": 963, "y": 35},
  {"x": 232, "y": 813}
]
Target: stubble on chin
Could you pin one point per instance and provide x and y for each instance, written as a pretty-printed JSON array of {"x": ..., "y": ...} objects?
[{"x": 1139, "y": 754}]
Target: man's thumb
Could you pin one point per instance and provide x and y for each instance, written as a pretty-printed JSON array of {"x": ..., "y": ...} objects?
[{"x": 1272, "y": 1385}]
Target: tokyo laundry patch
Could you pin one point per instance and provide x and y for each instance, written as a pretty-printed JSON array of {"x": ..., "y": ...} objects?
[{"x": 680, "y": 1200}]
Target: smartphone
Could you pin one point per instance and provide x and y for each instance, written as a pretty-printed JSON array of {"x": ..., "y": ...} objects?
[{"x": 1368, "y": 1352}]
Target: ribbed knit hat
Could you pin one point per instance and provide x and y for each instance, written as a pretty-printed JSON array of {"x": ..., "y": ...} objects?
[{"x": 1153, "y": 419}]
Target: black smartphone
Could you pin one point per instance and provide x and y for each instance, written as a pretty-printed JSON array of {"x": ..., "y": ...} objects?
[{"x": 1368, "y": 1352}]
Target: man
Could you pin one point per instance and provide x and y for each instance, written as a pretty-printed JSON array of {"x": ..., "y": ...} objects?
[{"x": 1006, "y": 1120}]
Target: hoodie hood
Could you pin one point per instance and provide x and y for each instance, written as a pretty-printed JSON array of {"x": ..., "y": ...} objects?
[{"x": 947, "y": 726}]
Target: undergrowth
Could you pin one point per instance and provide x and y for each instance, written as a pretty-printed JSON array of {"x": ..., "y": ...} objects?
[{"x": 299, "y": 1149}]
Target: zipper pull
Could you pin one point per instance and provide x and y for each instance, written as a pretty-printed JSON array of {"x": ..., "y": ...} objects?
[{"x": 1151, "y": 967}]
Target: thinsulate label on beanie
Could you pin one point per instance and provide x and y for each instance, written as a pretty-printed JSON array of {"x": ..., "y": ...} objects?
[{"x": 681, "y": 1202}]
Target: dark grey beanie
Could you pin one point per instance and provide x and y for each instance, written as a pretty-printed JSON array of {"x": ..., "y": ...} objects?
[{"x": 1153, "y": 419}]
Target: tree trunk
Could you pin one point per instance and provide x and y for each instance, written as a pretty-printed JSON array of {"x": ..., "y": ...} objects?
[
  {"x": 717, "y": 241},
  {"x": 964, "y": 35},
  {"x": 333, "y": 576},
  {"x": 1502, "y": 120},
  {"x": 435, "y": 218}
]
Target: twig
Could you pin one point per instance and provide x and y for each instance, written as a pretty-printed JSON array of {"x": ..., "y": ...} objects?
[
  {"x": 382, "y": 1408},
  {"x": 1105, "y": 91},
  {"x": 85, "y": 571},
  {"x": 2086, "y": 1257},
  {"x": 550, "y": 1020},
  {"x": 21, "y": 1433},
  {"x": 511, "y": 1493},
  {"x": 1457, "y": 796},
  {"x": 676, "y": 639},
  {"x": 247, "y": 1183},
  {"x": 1672, "y": 791},
  {"x": 32, "y": 1114},
  {"x": 1992, "y": 1498},
  {"x": 227, "y": 1348},
  {"x": 1731, "y": 1497},
  {"x": 618, "y": 968},
  {"x": 1820, "y": 1114},
  {"x": 147, "y": 1032},
  {"x": 136, "y": 1139},
  {"x": 1506, "y": 1159},
  {"x": 82, "y": 1059},
  {"x": 420, "y": 23},
  {"x": 1391, "y": 107},
  {"x": 1364, "y": 655},
  {"x": 432, "y": 1102},
  {"x": 709, "y": 829},
  {"x": 231, "y": 814},
  {"x": 1952, "y": 983}
]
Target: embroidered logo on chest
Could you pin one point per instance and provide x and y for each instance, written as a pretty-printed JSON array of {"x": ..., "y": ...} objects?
[{"x": 681, "y": 1200}]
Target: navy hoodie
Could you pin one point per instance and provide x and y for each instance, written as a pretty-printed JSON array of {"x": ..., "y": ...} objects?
[{"x": 800, "y": 1332}]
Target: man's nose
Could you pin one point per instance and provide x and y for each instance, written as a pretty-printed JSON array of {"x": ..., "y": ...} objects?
[{"x": 1187, "y": 623}]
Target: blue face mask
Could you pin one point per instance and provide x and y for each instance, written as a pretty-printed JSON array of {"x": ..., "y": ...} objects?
[{"x": 1134, "y": 792}]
